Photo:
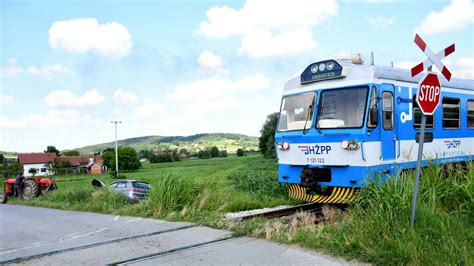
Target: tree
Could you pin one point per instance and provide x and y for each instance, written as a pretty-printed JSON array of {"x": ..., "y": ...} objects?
[
  {"x": 33, "y": 171},
  {"x": 205, "y": 154},
  {"x": 240, "y": 152},
  {"x": 266, "y": 141},
  {"x": 10, "y": 170},
  {"x": 52, "y": 149},
  {"x": 1, "y": 158},
  {"x": 223, "y": 153},
  {"x": 214, "y": 152},
  {"x": 71, "y": 153},
  {"x": 127, "y": 159},
  {"x": 183, "y": 153}
]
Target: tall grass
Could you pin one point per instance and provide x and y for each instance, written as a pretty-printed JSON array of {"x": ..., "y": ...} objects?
[
  {"x": 376, "y": 228},
  {"x": 259, "y": 179}
]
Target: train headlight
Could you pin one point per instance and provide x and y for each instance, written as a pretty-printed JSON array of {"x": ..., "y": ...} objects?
[
  {"x": 350, "y": 144},
  {"x": 283, "y": 146}
]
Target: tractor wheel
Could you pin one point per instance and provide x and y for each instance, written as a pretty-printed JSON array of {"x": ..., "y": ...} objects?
[
  {"x": 3, "y": 197},
  {"x": 51, "y": 187},
  {"x": 30, "y": 189}
]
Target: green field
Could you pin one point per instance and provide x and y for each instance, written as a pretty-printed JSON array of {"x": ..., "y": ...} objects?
[
  {"x": 192, "y": 190},
  {"x": 375, "y": 229}
]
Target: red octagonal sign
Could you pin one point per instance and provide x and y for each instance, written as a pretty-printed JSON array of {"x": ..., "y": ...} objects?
[{"x": 429, "y": 93}]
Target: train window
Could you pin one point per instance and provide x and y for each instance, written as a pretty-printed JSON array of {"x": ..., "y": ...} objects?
[
  {"x": 387, "y": 110},
  {"x": 417, "y": 116},
  {"x": 296, "y": 112},
  {"x": 372, "y": 106},
  {"x": 470, "y": 114},
  {"x": 451, "y": 113}
]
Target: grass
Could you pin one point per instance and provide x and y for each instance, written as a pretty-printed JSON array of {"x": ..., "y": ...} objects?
[{"x": 374, "y": 229}]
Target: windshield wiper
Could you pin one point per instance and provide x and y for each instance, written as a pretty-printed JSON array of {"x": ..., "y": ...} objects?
[
  {"x": 310, "y": 113},
  {"x": 320, "y": 113}
]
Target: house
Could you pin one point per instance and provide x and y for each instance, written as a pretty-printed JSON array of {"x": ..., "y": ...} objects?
[
  {"x": 75, "y": 161},
  {"x": 75, "y": 164},
  {"x": 38, "y": 161},
  {"x": 97, "y": 166}
]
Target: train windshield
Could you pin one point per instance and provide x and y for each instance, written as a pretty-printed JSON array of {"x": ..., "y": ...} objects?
[
  {"x": 296, "y": 112},
  {"x": 342, "y": 108}
]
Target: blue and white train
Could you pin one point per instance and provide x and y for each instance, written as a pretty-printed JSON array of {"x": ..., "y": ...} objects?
[{"x": 342, "y": 121}]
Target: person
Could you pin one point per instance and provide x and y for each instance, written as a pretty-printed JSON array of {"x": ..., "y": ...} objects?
[{"x": 19, "y": 183}]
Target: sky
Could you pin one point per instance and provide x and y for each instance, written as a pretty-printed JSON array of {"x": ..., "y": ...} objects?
[{"x": 68, "y": 68}]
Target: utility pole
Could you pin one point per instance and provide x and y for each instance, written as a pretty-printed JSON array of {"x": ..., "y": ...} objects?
[{"x": 116, "y": 146}]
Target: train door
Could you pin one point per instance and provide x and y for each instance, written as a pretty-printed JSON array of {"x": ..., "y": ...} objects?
[{"x": 388, "y": 137}]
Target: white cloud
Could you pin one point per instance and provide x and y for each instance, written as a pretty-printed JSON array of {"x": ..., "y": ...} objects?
[
  {"x": 5, "y": 99},
  {"x": 380, "y": 22},
  {"x": 209, "y": 61},
  {"x": 148, "y": 110},
  {"x": 122, "y": 96},
  {"x": 46, "y": 71},
  {"x": 85, "y": 34},
  {"x": 56, "y": 117},
  {"x": 258, "y": 44},
  {"x": 12, "y": 69},
  {"x": 458, "y": 15},
  {"x": 462, "y": 67},
  {"x": 65, "y": 98},
  {"x": 6, "y": 122},
  {"x": 407, "y": 64},
  {"x": 269, "y": 28},
  {"x": 215, "y": 88},
  {"x": 214, "y": 94}
]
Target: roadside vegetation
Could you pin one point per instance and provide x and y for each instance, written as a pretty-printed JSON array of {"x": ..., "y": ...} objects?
[{"x": 375, "y": 228}]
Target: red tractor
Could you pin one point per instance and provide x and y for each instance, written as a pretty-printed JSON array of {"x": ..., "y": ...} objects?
[{"x": 32, "y": 188}]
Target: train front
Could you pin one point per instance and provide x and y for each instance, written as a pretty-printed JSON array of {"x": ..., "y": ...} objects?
[{"x": 320, "y": 133}]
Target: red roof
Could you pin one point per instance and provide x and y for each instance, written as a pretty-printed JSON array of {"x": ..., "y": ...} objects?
[
  {"x": 31, "y": 158},
  {"x": 75, "y": 160}
]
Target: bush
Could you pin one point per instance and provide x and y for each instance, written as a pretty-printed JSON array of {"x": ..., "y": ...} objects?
[{"x": 240, "y": 152}]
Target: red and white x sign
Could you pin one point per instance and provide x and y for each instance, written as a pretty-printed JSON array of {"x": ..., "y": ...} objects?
[{"x": 433, "y": 59}]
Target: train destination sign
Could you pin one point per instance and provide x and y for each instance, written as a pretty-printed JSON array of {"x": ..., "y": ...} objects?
[{"x": 323, "y": 70}]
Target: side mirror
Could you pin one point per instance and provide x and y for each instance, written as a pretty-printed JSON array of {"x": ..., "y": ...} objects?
[{"x": 374, "y": 116}]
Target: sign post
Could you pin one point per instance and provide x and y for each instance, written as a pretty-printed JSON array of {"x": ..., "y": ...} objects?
[{"x": 427, "y": 97}]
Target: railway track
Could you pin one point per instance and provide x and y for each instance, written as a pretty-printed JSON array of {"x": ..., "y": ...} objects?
[{"x": 307, "y": 207}]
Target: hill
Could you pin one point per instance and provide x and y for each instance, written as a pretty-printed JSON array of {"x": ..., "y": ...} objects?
[{"x": 224, "y": 141}]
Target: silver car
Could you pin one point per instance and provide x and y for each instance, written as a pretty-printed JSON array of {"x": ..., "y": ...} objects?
[{"x": 134, "y": 190}]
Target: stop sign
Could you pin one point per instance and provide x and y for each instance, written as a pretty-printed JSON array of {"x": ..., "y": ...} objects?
[{"x": 429, "y": 93}]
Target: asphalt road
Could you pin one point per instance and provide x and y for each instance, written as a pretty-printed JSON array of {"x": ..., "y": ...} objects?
[{"x": 40, "y": 236}]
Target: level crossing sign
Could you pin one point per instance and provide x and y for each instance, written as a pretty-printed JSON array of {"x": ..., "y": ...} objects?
[
  {"x": 433, "y": 59},
  {"x": 429, "y": 93},
  {"x": 427, "y": 97}
]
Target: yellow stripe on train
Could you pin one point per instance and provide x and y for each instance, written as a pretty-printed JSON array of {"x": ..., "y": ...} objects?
[{"x": 338, "y": 195}]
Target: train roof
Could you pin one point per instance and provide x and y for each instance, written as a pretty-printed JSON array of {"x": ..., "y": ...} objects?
[{"x": 356, "y": 73}]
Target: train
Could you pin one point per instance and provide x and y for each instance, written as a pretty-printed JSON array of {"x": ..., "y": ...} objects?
[{"x": 342, "y": 122}]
